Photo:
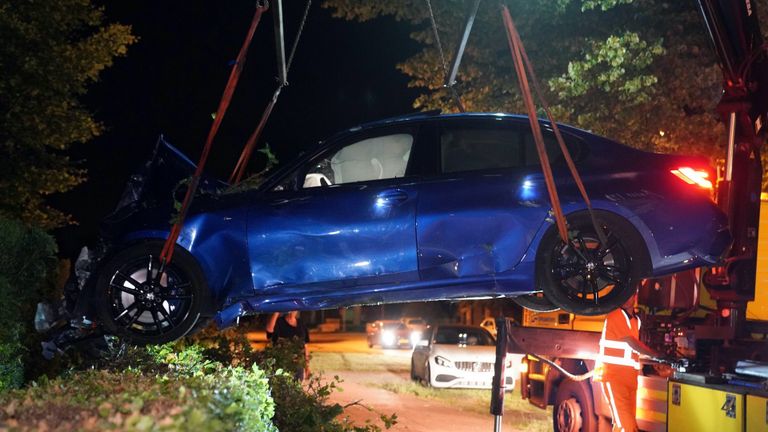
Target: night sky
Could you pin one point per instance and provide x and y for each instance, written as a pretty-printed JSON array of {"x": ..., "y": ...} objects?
[{"x": 172, "y": 79}]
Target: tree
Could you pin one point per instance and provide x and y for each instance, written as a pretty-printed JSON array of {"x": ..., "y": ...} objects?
[
  {"x": 51, "y": 52},
  {"x": 639, "y": 71}
]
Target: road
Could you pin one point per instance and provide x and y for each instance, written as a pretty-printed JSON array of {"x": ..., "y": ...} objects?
[{"x": 365, "y": 371}]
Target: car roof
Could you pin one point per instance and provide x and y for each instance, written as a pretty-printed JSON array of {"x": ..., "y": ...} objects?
[
  {"x": 466, "y": 326},
  {"x": 436, "y": 115}
]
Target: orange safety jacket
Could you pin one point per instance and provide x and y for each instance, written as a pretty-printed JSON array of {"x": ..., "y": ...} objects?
[{"x": 616, "y": 359}]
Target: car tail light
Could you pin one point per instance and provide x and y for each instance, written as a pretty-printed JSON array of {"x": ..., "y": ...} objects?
[{"x": 693, "y": 176}]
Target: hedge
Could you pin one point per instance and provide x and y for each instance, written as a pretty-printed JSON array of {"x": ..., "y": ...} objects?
[{"x": 27, "y": 261}]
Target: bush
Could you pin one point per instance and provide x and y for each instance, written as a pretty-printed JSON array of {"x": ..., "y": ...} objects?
[
  {"x": 157, "y": 389},
  {"x": 27, "y": 261},
  {"x": 299, "y": 407},
  {"x": 177, "y": 387}
]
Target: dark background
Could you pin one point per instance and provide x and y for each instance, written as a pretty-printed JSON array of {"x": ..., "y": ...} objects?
[{"x": 172, "y": 79}]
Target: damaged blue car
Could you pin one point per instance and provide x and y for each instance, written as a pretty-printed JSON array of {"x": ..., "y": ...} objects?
[{"x": 420, "y": 207}]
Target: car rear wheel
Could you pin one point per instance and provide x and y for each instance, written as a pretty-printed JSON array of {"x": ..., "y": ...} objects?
[
  {"x": 573, "y": 410},
  {"x": 585, "y": 276},
  {"x": 141, "y": 306},
  {"x": 536, "y": 302}
]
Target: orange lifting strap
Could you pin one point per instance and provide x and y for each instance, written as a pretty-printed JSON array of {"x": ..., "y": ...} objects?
[
  {"x": 167, "y": 253},
  {"x": 522, "y": 63}
]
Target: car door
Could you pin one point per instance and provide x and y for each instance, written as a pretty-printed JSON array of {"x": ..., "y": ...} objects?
[
  {"x": 482, "y": 208},
  {"x": 348, "y": 221}
]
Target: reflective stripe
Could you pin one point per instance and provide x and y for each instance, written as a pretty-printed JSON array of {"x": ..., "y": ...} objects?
[
  {"x": 620, "y": 361},
  {"x": 626, "y": 317},
  {"x": 607, "y": 343},
  {"x": 623, "y": 360},
  {"x": 619, "y": 352},
  {"x": 614, "y": 409}
]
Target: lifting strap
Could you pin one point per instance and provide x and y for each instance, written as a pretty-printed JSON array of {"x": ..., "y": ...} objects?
[
  {"x": 522, "y": 63},
  {"x": 449, "y": 82},
  {"x": 167, "y": 252},
  {"x": 245, "y": 155}
]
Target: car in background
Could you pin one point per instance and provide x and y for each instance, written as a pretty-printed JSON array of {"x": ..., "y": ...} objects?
[
  {"x": 416, "y": 208},
  {"x": 389, "y": 334},
  {"x": 460, "y": 356},
  {"x": 417, "y": 325}
]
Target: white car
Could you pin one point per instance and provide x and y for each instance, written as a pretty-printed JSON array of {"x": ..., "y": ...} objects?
[{"x": 460, "y": 356}]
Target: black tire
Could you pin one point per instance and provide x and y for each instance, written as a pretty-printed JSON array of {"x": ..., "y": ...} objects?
[
  {"x": 574, "y": 408},
  {"x": 586, "y": 277},
  {"x": 536, "y": 302},
  {"x": 148, "y": 311}
]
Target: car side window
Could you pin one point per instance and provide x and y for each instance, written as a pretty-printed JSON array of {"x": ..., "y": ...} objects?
[
  {"x": 375, "y": 158},
  {"x": 484, "y": 148},
  {"x": 552, "y": 147},
  {"x": 471, "y": 149}
]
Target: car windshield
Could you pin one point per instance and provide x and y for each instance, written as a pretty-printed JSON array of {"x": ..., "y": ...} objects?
[{"x": 463, "y": 336}]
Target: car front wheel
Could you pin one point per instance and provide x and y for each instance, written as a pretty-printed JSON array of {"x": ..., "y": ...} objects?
[
  {"x": 589, "y": 276},
  {"x": 144, "y": 307}
]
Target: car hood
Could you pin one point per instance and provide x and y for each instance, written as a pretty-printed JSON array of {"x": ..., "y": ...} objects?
[{"x": 157, "y": 185}]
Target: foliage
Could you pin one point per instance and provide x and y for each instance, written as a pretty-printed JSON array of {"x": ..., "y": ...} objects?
[
  {"x": 51, "y": 52},
  {"x": 255, "y": 180},
  {"x": 298, "y": 407},
  {"x": 194, "y": 384},
  {"x": 27, "y": 259},
  {"x": 159, "y": 388},
  {"x": 639, "y": 71}
]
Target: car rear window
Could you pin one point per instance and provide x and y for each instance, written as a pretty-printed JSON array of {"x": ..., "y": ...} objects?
[{"x": 472, "y": 149}]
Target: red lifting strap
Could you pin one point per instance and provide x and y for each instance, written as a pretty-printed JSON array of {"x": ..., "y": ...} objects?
[
  {"x": 515, "y": 46},
  {"x": 520, "y": 56},
  {"x": 167, "y": 252}
]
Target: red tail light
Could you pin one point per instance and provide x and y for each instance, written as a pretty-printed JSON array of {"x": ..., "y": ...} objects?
[{"x": 698, "y": 177}]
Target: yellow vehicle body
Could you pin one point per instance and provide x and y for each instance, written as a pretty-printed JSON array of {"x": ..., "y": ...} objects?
[
  {"x": 562, "y": 320},
  {"x": 757, "y": 413},
  {"x": 694, "y": 407},
  {"x": 758, "y": 309}
]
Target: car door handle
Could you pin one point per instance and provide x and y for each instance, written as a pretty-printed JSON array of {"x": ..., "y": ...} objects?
[{"x": 389, "y": 197}]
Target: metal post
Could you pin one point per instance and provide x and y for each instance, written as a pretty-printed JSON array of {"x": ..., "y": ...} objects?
[
  {"x": 282, "y": 70},
  {"x": 499, "y": 385},
  {"x": 731, "y": 146},
  {"x": 450, "y": 79}
]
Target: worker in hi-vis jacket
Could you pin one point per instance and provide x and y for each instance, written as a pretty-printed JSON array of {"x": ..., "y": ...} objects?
[{"x": 618, "y": 364}]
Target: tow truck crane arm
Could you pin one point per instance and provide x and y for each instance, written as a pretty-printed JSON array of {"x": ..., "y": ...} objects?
[{"x": 735, "y": 33}]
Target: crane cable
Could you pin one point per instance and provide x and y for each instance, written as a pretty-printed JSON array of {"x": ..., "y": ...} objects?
[
  {"x": 167, "y": 252},
  {"x": 573, "y": 377},
  {"x": 245, "y": 156},
  {"x": 523, "y": 63},
  {"x": 451, "y": 88}
]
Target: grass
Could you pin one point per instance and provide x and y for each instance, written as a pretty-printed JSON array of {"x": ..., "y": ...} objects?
[
  {"x": 517, "y": 411},
  {"x": 357, "y": 362}
]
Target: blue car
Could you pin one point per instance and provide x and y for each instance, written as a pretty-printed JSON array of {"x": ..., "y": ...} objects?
[{"x": 415, "y": 208}]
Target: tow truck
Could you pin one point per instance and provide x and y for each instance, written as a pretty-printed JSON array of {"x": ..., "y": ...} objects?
[{"x": 718, "y": 380}]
